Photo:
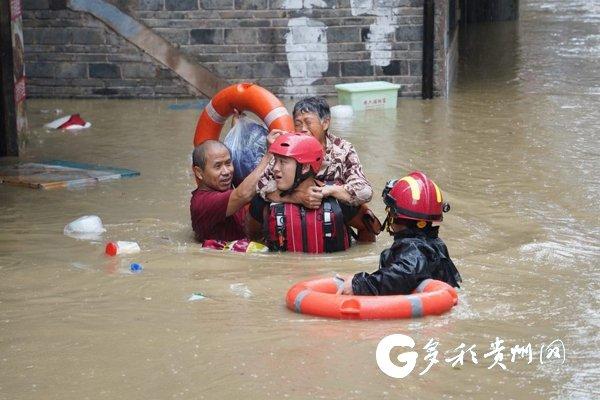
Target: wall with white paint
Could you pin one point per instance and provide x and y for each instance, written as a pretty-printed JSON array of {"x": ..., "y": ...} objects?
[
  {"x": 305, "y": 49},
  {"x": 292, "y": 47}
]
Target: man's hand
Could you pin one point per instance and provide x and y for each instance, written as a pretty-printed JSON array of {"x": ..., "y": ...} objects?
[
  {"x": 274, "y": 134},
  {"x": 236, "y": 116},
  {"x": 346, "y": 288},
  {"x": 310, "y": 198}
]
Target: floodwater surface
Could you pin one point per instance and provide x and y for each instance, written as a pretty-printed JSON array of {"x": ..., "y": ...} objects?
[{"x": 515, "y": 149}]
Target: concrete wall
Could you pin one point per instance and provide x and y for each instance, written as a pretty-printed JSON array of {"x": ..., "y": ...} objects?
[{"x": 292, "y": 47}]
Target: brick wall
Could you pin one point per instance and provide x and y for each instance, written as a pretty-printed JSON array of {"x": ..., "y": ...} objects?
[
  {"x": 292, "y": 47},
  {"x": 71, "y": 54}
]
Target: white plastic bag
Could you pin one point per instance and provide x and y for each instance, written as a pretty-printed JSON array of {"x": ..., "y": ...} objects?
[
  {"x": 88, "y": 227},
  {"x": 247, "y": 142}
]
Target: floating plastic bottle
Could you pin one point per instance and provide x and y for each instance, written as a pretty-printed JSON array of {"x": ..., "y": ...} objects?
[{"x": 122, "y": 247}]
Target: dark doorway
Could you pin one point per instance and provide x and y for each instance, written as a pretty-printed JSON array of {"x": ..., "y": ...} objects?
[{"x": 8, "y": 121}]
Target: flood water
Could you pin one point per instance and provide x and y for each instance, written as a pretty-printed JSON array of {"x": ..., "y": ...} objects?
[{"x": 515, "y": 150}]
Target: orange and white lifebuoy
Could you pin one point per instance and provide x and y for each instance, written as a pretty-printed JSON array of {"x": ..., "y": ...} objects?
[
  {"x": 319, "y": 297},
  {"x": 241, "y": 97}
]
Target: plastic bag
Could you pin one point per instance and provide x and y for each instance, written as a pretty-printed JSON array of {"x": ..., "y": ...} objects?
[
  {"x": 247, "y": 143},
  {"x": 88, "y": 227}
]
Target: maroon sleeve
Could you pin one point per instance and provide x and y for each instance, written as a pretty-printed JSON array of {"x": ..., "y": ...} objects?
[{"x": 208, "y": 208}]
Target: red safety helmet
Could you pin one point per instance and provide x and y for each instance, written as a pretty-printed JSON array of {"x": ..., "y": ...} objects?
[
  {"x": 415, "y": 197},
  {"x": 305, "y": 149}
]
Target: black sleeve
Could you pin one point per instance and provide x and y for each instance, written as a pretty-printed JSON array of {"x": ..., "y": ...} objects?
[
  {"x": 401, "y": 269},
  {"x": 446, "y": 271},
  {"x": 257, "y": 205}
]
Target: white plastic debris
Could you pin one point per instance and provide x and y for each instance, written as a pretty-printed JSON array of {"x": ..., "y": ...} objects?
[
  {"x": 342, "y": 111},
  {"x": 69, "y": 122},
  {"x": 240, "y": 289},
  {"x": 88, "y": 227},
  {"x": 197, "y": 296}
]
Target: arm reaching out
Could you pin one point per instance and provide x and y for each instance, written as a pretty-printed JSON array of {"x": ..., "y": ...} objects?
[{"x": 247, "y": 189}]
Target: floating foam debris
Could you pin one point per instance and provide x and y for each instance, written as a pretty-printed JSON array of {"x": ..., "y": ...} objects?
[
  {"x": 197, "y": 296},
  {"x": 240, "y": 289},
  {"x": 547, "y": 252}
]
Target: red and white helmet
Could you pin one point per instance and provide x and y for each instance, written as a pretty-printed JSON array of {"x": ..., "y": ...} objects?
[
  {"x": 305, "y": 149},
  {"x": 415, "y": 197}
]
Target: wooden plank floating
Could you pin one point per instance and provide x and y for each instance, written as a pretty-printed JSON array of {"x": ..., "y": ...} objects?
[{"x": 55, "y": 174}]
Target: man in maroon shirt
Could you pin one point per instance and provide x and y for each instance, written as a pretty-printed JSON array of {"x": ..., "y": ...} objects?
[{"x": 218, "y": 210}]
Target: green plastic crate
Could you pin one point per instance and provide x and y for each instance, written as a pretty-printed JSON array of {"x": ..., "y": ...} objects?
[{"x": 368, "y": 95}]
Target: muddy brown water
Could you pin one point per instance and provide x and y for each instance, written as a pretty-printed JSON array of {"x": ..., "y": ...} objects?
[{"x": 516, "y": 151}]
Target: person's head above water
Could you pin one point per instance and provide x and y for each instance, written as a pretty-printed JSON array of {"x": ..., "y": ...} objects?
[
  {"x": 312, "y": 116},
  {"x": 414, "y": 201},
  {"x": 297, "y": 157},
  {"x": 212, "y": 165}
]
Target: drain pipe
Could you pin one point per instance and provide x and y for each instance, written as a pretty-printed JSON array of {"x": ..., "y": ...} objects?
[{"x": 428, "y": 49}]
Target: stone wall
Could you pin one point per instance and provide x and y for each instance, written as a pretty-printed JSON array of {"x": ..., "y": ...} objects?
[{"x": 292, "y": 47}]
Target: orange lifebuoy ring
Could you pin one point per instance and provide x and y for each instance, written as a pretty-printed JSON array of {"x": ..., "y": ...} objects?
[
  {"x": 242, "y": 97},
  {"x": 318, "y": 297}
]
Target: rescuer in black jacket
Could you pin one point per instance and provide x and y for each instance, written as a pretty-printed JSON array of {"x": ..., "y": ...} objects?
[{"x": 417, "y": 253}]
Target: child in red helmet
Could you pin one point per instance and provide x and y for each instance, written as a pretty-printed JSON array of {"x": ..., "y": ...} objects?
[{"x": 412, "y": 203}]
